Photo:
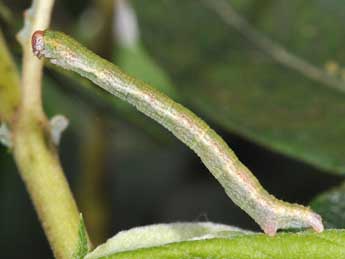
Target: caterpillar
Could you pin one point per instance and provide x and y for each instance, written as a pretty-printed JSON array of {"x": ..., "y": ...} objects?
[{"x": 239, "y": 183}]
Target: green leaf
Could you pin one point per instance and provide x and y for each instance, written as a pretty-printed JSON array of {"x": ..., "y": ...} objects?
[
  {"x": 161, "y": 234},
  {"x": 215, "y": 241},
  {"x": 233, "y": 82},
  {"x": 83, "y": 244},
  {"x": 132, "y": 56},
  {"x": 330, "y": 205},
  {"x": 135, "y": 61}
]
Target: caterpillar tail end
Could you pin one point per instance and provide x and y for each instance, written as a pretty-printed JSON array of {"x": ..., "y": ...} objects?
[
  {"x": 298, "y": 220},
  {"x": 37, "y": 43},
  {"x": 316, "y": 222}
]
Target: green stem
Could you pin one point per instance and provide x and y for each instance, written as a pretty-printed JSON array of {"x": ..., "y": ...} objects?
[
  {"x": 239, "y": 183},
  {"x": 34, "y": 151},
  {"x": 43, "y": 176}
]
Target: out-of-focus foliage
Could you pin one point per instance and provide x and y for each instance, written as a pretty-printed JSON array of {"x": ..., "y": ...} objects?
[
  {"x": 332, "y": 207},
  {"x": 9, "y": 83},
  {"x": 139, "y": 64},
  {"x": 234, "y": 83}
]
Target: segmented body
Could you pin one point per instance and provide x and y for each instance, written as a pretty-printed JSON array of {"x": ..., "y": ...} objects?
[{"x": 239, "y": 183}]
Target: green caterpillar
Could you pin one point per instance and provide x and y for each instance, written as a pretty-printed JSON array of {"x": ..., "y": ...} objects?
[{"x": 239, "y": 183}]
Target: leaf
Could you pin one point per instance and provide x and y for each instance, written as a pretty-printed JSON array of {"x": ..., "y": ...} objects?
[
  {"x": 135, "y": 61},
  {"x": 83, "y": 244},
  {"x": 132, "y": 55},
  {"x": 233, "y": 82},
  {"x": 213, "y": 241},
  {"x": 161, "y": 234},
  {"x": 331, "y": 207}
]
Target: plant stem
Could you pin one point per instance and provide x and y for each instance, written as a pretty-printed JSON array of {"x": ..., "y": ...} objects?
[
  {"x": 34, "y": 151},
  {"x": 37, "y": 17}
]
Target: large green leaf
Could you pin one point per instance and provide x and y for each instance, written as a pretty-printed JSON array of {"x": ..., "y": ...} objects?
[
  {"x": 331, "y": 207},
  {"x": 135, "y": 61},
  {"x": 235, "y": 83},
  {"x": 214, "y": 241}
]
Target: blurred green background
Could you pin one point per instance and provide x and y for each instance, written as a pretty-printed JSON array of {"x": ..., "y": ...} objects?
[{"x": 127, "y": 171}]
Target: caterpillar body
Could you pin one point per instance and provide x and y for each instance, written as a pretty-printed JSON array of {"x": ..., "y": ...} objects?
[{"x": 237, "y": 180}]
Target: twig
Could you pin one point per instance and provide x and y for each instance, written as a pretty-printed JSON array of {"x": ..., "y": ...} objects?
[
  {"x": 229, "y": 15},
  {"x": 37, "y": 17},
  {"x": 35, "y": 152}
]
